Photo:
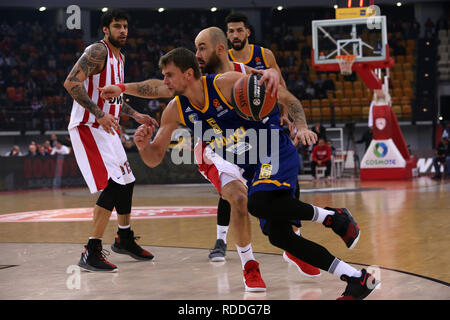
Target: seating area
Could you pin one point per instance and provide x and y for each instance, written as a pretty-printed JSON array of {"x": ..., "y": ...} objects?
[
  {"x": 443, "y": 55},
  {"x": 37, "y": 66}
]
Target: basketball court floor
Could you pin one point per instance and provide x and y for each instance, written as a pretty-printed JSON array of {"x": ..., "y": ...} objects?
[{"x": 404, "y": 240}]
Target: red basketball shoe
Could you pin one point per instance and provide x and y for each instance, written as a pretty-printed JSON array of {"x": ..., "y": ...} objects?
[
  {"x": 252, "y": 277},
  {"x": 302, "y": 267}
]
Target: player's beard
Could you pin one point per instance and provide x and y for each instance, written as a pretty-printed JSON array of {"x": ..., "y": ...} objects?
[
  {"x": 212, "y": 65},
  {"x": 238, "y": 46},
  {"x": 116, "y": 42}
]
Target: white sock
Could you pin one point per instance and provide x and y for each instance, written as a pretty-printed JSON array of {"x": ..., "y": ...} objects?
[
  {"x": 222, "y": 232},
  {"x": 245, "y": 253},
  {"x": 339, "y": 268},
  {"x": 298, "y": 232},
  {"x": 320, "y": 214},
  {"x": 124, "y": 227}
]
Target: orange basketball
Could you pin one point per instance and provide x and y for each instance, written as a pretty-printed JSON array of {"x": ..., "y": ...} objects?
[{"x": 250, "y": 99}]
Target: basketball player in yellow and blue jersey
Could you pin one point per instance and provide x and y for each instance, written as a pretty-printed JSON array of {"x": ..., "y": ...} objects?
[
  {"x": 211, "y": 45},
  {"x": 252, "y": 55},
  {"x": 271, "y": 177}
]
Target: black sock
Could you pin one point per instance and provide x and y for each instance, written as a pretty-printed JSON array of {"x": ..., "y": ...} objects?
[
  {"x": 94, "y": 243},
  {"x": 124, "y": 232}
]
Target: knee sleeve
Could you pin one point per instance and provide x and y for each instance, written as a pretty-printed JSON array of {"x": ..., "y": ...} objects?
[
  {"x": 223, "y": 212},
  {"x": 124, "y": 198},
  {"x": 106, "y": 198},
  {"x": 116, "y": 196}
]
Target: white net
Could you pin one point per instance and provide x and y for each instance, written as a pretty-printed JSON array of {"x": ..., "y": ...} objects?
[{"x": 346, "y": 63}]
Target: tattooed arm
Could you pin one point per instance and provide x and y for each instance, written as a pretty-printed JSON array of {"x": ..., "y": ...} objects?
[
  {"x": 297, "y": 113},
  {"x": 139, "y": 117},
  {"x": 91, "y": 62},
  {"x": 150, "y": 89}
]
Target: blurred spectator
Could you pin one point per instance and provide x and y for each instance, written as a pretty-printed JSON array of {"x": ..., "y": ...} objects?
[
  {"x": 301, "y": 152},
  {"x": 129, "y": 146},
  {"x": 332, "y": 148},
  {"x": 14, "y": 152},
  {"x": 32, "y": 150},
  {"x": 53, "y": 140},
  {"x": 321, "y": 156},
  {"x": 429, "y": 28},
  {"x": 41, "y": 151},
  {"x": 446, "y": 132},
  {"x": 123, "y": 135},
  {"x": 155, "y": 108},
  {"x": 60, "y": 149},
  {"x": 442, "y": 157},
  {"x": 366, "y": 138},
  {"x": 47, "y": 146},
  {"x": 310, "y": 91},
  {"x": 320, "y": 130}
]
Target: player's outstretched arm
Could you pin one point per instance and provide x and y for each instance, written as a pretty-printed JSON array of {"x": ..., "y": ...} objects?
[
  {"x": 91, "y": 62},
  {"x": 151, "y": 89},
  {"x": 152, "y": 153}
]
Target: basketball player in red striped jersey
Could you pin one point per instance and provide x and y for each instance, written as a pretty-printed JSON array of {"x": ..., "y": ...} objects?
[{"x": 94, "y": 132}]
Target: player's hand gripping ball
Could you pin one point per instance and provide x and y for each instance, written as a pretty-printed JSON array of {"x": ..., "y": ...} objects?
[{"x": 250, "y": 100}]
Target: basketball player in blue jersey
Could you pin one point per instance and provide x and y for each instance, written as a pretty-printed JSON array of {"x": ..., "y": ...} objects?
[
  {"x": 212, "y": 57},
  {"x": 211, "y": 53},
  {"x": 270, "y": 191},
  {"x": 254, "y": 56}
]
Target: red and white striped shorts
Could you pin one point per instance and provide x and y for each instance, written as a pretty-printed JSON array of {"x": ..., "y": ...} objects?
[
  {"x": 214, "y": 168},
  {"x": 100, "y": 156}
]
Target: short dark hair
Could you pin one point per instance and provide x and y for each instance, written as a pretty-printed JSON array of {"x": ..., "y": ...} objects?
[
  {"x": 182, "y": 58},
  {"x": 114, "y": 14},
  {"x": 237, "y": 17}
]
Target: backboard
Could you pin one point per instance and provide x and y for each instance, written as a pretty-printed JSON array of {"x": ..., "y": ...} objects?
[
  {"x": 366, "y": 38},
  {"x": 363, "y": 38}
]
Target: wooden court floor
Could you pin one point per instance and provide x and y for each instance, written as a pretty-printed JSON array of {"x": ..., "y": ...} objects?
[{"x": 405, "y": 233}]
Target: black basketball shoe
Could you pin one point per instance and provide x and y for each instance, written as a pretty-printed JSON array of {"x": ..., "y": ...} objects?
[
  {"x": 218, "y": 253},
  {"x": 125, "y": 243},
  {"x": 94, "y": 259},
  {"x": 343, "y": 225},
  {"x": 358, "y": 288}
]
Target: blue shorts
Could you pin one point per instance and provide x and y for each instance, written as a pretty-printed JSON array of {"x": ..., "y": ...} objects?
[{"x": 279, "y": 172}]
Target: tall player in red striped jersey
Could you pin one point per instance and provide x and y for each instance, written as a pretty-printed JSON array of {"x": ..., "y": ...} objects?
[{"x": 94, "y": 132}]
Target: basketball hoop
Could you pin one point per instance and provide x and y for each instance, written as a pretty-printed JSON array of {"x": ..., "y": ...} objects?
[{"x": 346, "y": 63}]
